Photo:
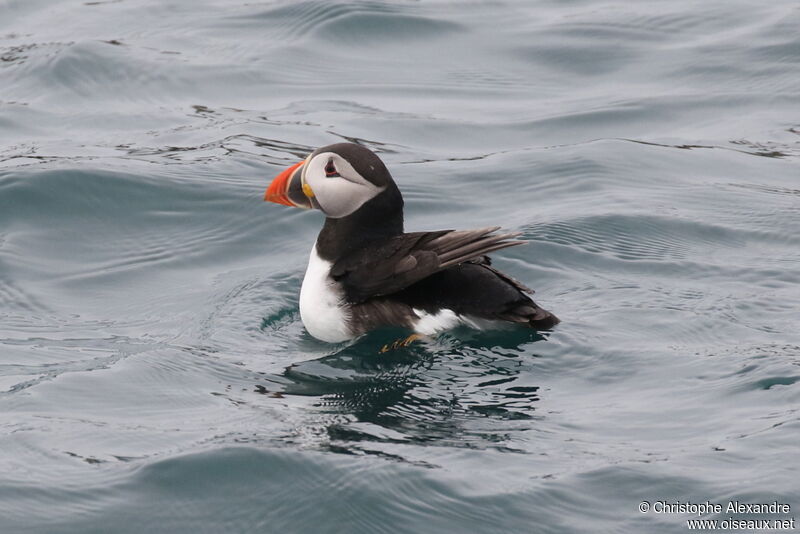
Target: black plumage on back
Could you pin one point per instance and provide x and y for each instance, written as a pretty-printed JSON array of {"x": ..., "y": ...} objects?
[
  {"x": 477, "y": 289},
  {"x": 387, "y": 266},
  {"x": 432, "y": 271}
]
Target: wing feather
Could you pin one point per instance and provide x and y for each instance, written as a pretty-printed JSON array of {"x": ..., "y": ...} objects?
[
  {"x": 467, "y": 249},
  {"x": 487, "y": 250},
  {"x": 390, "y": 266},
  {"x": 456, "y": 238}
]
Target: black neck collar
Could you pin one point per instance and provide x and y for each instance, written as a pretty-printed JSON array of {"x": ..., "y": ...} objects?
[{"x": 377, "y": 220}]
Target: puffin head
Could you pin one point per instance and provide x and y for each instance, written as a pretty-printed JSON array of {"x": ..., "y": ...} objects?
[{"x": 336, "y": 179}]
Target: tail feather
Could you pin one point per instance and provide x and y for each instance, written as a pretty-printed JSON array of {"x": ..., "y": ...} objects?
[
  {"x": 533, "y": 316},
  {"x": 543, "y": 320}
]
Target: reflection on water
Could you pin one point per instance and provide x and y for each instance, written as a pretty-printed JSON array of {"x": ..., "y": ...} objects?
[{"x": 428, "y": 392}]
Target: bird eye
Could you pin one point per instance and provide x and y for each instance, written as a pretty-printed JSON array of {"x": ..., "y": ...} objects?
[{"x": 330, "y": 170}]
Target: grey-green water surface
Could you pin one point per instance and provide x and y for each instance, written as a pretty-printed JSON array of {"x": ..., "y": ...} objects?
[{"x": 154, "y": 372}]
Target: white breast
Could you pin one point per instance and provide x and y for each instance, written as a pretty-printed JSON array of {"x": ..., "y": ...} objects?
[{"x": 322, "y": 306}]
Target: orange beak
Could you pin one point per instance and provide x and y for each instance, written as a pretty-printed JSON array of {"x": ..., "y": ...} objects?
[{"x": 278, "y": 190}]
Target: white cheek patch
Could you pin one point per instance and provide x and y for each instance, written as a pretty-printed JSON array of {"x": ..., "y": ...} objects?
[
  {"x": 341, "y": 198},
  {"x": 338, "y": 196}
]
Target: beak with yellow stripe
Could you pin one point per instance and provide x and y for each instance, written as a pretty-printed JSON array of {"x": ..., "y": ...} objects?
[{"x": 289, "y": 189}]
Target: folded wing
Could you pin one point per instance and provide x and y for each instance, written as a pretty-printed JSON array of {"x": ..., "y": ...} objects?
[{"x": 390, "y": 266}]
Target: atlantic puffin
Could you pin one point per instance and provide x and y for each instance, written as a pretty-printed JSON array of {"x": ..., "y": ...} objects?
[{"x": 365, "y": 272}]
